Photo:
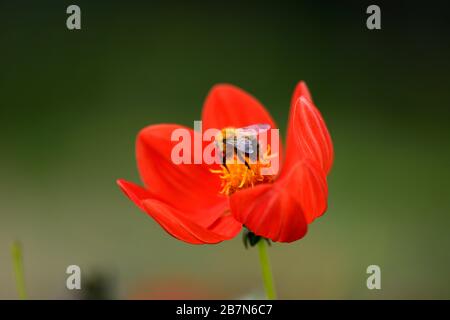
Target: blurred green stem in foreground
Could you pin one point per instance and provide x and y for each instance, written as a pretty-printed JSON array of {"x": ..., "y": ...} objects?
[
  {"x": 266, "y": 270},
  {"x": 16, "y": 252}
]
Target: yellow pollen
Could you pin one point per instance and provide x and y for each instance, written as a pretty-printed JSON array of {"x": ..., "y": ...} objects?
[{"x": 236, "y": 175}]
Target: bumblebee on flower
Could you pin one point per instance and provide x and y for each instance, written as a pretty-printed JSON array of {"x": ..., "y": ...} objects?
[{"x": 203, "y": 203}]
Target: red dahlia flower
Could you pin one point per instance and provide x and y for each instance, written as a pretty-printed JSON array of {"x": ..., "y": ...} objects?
[{"x": 195, "y": 204}]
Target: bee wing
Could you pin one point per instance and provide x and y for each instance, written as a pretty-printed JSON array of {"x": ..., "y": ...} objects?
[
  {"x": 253, "y": 130},
  {"x": 245, "y": 145}
]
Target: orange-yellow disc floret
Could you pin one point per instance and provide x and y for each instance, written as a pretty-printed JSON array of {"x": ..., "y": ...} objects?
[{"x": 236, "y": 175}]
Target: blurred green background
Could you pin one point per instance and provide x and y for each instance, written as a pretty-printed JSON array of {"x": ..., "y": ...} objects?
[{"x": 73, "y": 101}]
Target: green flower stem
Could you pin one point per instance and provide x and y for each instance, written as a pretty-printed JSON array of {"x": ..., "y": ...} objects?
[
  {"x": 266, "y": 270},
  {"x": 16, "y": 252}
]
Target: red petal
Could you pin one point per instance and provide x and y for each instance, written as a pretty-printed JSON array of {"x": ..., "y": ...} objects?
[
  {"x": 230, "y": 106},
  {"x": 182, "y": 228},
  {"x": 282, "y": 210},
  {"x": 301, "y": 90},
  {"x": 176, "y": 223},
  {"x": 191, "y": 188},
  {"x": 136, "y": 193},
  {"x": 308, "y": 136}
]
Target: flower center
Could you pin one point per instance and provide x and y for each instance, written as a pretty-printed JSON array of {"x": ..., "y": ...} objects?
[{"x": 237, "y": 174}]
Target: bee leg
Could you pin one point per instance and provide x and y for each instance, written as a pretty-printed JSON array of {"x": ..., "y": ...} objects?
[
  {"x": 242, "y": 158},
  {"x": 224, "y": 162},
  {"x": 258, "y": 152}
]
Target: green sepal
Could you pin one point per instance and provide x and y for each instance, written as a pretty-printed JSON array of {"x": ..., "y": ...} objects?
[{"x": 249, "y": 238}]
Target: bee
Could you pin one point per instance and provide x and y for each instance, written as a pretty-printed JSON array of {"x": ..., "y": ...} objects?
[{"x": 242, "y": 142}]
